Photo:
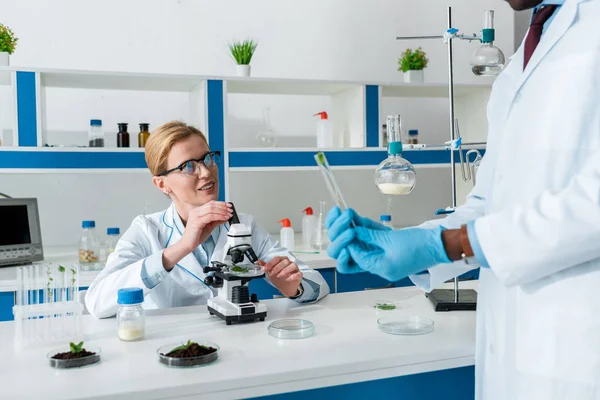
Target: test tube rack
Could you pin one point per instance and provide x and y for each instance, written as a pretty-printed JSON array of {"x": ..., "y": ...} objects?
[{"x": 47, "y": 308}]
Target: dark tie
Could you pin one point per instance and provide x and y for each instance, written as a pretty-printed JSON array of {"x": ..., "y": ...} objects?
[{"x": 535, "y": 30}]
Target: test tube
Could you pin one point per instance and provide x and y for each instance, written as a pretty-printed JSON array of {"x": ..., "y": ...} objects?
[
  {"x": 74, "y": 282},
  {"x": 19, "y": 299},
  {"x": 334, "y": 190}
]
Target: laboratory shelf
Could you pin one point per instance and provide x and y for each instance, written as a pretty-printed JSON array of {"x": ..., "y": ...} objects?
[
  {"x": 431, "y": 90},
  {"x": 117, "y": 80},
  {"x": 359, "y": 157},
  {"x": 83, "y": 79}
]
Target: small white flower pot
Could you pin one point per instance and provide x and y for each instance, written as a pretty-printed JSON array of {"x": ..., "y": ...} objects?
[
  {"x": 413, "y": 76},
  {"x": 4, "y": 57},
  {"x": 243, "y": 70}
]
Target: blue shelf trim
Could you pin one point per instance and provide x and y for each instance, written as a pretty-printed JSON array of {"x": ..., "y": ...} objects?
[
  {"x": 216, "y": 129},
  {"x": 335, "y": 158},
  {"x": 96, "y": 160},
  {"x": 372, "y": 115},
  {"x": 27, "y": 114},
  {"x": 51, "y": 159}
]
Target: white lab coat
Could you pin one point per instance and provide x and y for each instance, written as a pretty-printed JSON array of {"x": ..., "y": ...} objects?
[
  {"x": 145, "y": 241},
  {"x": 537, "y": 205}
]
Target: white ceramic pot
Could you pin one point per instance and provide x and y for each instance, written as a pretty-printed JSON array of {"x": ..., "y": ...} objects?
[
  {"x": 4, "y": 59},
  {"x": 243, "y": 70},
  {"x": 413, "y": 76}
]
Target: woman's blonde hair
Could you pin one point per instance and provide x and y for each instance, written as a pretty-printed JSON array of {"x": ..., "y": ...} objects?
[{"x": 162, "y": 140}]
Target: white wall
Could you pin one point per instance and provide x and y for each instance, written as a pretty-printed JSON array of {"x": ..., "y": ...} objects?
[{"x": 334, "y": 39}]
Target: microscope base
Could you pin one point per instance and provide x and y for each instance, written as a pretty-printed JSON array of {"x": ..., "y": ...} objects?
[{"x": 231, "y": 318}]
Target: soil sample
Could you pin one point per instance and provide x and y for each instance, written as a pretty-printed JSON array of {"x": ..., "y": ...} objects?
[
  {"x": 74, "y": 360},
  {"x": 189, "y": 355}
]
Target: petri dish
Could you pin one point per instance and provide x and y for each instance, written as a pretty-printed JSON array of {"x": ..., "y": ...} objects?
[
  {"x": 187, "y": 362},
  {"x": 291, "y": 329},
  {"x": 250, "y": 271},
  {"x": 385, "y": 304},
  {"x": 80, "y": 362},
  {"x": 405, "y": 325}
]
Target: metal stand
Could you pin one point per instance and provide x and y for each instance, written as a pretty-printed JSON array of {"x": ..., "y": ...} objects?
[{"x": 451, "y": 299}]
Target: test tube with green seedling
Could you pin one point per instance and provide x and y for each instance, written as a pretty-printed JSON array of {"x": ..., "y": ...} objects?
[{"x": 334, "y": 190}]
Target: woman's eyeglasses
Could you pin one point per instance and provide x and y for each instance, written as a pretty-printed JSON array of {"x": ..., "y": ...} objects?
[{"x": 191, "y": 167}]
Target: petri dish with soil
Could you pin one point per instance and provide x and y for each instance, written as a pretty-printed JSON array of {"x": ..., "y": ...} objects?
[
  {"x": 188, "y": 355},
  {"x": 64, "y": 358}
]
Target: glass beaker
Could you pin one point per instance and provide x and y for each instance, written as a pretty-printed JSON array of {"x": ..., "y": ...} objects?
[
  {"x": 395, "y": 175},
  {"x": 266, "y": 137},
  {"x": 488, "y": 60}
]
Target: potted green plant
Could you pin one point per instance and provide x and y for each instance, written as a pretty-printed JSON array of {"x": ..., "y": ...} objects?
[
  {"x": 8, "y": 42},
  {"x": 242, "y": 52},
  {"x": 412, "y": 64}
]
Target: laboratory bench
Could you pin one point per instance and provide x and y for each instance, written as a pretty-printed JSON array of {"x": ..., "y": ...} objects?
[{"x": 348, "y": 356}]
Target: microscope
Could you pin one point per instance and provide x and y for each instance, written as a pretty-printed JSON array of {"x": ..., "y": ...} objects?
[{"x": 230, "y": 277}]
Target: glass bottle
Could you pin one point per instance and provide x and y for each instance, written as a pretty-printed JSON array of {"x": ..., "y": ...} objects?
[
  {"x": 123, "y": 135},
  {"x": 386, "y": 220},
  {"x": 112, "y": 240},
  {"x": 395, "y": 175},
  {"x": 89, "y": 247},
  {"x": 143, "y": 135},
  {"x": 130, "y": 315},
  {"x": 413, "y": 136},
  {"x": 95, "y": 134}
]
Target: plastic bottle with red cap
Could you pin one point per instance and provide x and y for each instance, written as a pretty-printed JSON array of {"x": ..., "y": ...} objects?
[
  {"x": 324, "y": 131},
  {"x": 309, "y": 223},
  {"x": 286, "y": 235}
]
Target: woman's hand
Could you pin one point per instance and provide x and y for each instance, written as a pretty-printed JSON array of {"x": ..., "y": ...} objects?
[
  {"x": 284, "y": 274},
  {"x": 201, "y": 222}
]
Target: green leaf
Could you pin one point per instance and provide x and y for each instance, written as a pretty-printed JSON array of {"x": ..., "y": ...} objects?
[
  {"x": 76, "y": 348},
  {"x": 385, "y": 306},
  {"x": 8, "y": 41},
  {"x": 412, "y": 60},
  {"x": 61, "y": 268},
  {"x": 243, "y": 51},
  {"x": 239, "y": 269},
  {"x": 184, "y": 346}
]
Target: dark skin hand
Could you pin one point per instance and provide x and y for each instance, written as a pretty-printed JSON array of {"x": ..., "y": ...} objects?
[
  {"x": 520, "y": 5},
  {"x": 452, "y": 244}
]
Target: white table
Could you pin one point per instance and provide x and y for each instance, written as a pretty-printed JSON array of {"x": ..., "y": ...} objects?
[{"x": 347, "y": 347}]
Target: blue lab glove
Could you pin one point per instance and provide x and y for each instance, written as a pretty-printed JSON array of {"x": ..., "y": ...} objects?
[
  {"x": 391, "y": 254},
  {"x": 337, "y": 222}
]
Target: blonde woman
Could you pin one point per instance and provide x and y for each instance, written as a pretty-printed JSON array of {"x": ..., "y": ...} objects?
[{"x": 164, "y": 253}]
